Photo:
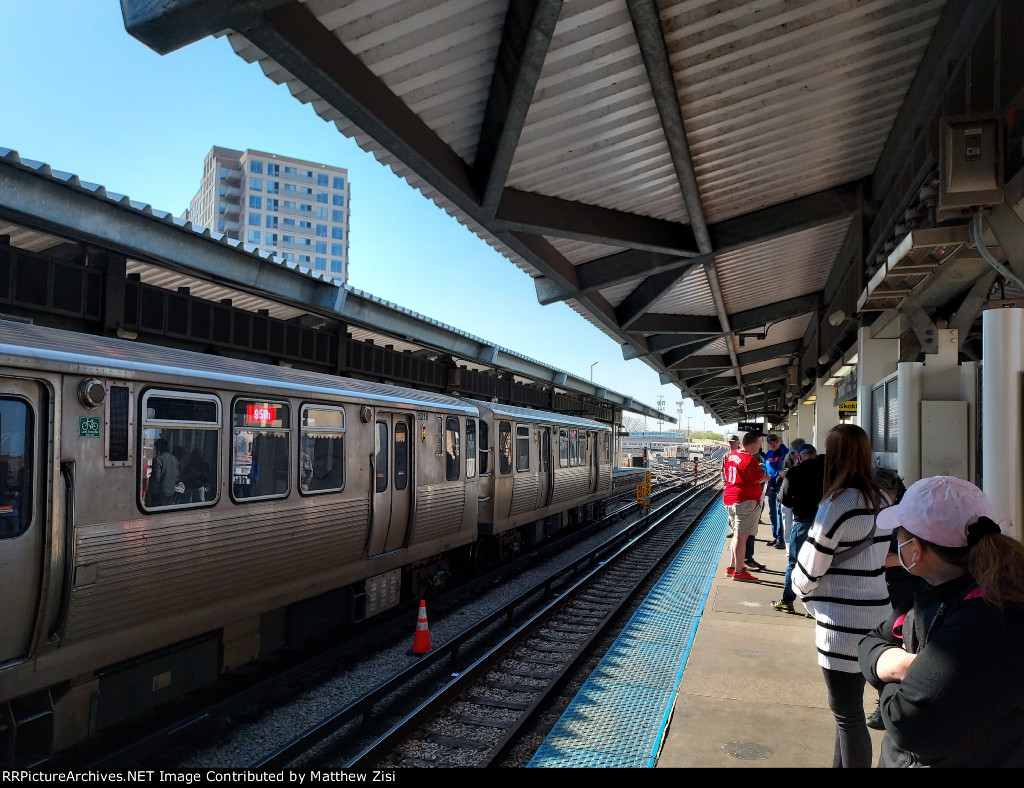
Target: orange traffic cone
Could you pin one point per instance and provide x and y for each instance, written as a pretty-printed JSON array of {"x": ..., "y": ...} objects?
[{"x": 421, "y": 643}]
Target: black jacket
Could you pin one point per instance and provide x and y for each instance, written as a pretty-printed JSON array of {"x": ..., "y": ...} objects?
[
  {"x": 962, "y": 702},
  {"x": 802, "y": 488}
]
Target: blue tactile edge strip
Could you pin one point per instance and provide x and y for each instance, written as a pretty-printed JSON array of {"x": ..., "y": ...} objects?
[{"x": 620, "y": 715}]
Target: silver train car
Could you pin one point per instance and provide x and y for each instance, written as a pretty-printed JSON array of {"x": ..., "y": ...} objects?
[
  {"x": 530, "y": 462},
  {"x": 166, "y": 516}
]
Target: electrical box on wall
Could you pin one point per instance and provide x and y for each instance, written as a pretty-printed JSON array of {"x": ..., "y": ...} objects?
[
  {"x": 944, "y": 445},
  {"x": 970, "y": 164}
]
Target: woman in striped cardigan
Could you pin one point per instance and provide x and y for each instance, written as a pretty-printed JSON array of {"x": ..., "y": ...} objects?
[{"x": 840, "y": 576}]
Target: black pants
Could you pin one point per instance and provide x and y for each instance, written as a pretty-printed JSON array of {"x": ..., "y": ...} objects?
[{"x": 846, "y": 699}]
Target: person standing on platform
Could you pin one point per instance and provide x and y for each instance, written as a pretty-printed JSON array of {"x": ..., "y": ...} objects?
[
  {"x": 951, "y": 670},
  {"x": 773, "y": 460},
  {"x": 734, "y": 445},
  {"x": 749, "y": 561},
  {"x": 801, "y": 493},
  {"x": 743, "y": 479},
  {"x": 840, "y": 577},
  {"x": 786, "y": 511}
]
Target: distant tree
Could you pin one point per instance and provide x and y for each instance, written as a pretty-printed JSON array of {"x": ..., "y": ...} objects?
[
  {"x": 707, "y": 435},
  {"x": 633, "y": 423}
]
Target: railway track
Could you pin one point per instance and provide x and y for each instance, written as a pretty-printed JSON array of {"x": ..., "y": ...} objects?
[
  {"x": 292, "y": 674},
  {"x": 473, "y": 698}
]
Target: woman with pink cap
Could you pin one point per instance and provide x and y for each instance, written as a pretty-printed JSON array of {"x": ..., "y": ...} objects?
[{"x": 951, "y": 671}]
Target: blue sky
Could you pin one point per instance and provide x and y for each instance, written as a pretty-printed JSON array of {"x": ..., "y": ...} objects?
[{"x": 85, "y": 97}]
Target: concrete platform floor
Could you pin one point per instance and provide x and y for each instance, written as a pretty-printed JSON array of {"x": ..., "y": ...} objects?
[{"x": 752, "y": 694}]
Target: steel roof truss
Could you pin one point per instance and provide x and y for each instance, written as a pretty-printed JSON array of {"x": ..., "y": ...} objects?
[
  {"x": 525, "y": 38},
  {"x": 971, "y": 307},
  {"x": 921, "y": 323},
  {"x": 537, "y": 213}
]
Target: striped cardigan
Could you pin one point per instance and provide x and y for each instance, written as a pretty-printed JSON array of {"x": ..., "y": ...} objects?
[{"x": 847, "y": 600}]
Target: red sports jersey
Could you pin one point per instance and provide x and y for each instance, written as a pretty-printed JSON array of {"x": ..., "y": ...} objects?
[{"x": 743, "y": 475}]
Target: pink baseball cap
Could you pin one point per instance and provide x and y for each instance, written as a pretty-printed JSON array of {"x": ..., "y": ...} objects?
[{"x": 939, "y": 509}]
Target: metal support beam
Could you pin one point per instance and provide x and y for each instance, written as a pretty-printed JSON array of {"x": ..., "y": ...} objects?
[
  {"x": 1009, "y": 232},
  {"x": 730, "y": 235},
  {"x": 167, "y": 25},
  {"x": 971, "y": 307},
  {"x": 924, "y": 328},
  {"x": 646, "y": 295},
  {"x": 781, "y": 350},
  {"x": 665, "y": 324},
  {"x": 521, "y": 211},
  {"x": 647, "y": 24},
  {"x": 525, "y": 38},
  {"x": 959, "y": 23}
]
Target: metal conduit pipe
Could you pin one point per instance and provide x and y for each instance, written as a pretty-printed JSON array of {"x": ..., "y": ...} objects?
[{"x": 1001, "y": 269}]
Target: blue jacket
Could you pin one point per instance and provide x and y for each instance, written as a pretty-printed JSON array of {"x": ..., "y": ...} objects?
[{"x": 773, "y": 464}]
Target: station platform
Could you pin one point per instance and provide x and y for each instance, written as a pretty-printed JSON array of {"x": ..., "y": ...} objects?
[{"x": 705, "y": 675}]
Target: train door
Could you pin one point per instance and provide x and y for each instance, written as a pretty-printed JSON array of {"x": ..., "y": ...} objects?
[
  {"x": 24, "y": 423},
  {"x": 594, "y": 460},
  {"x": 543, "y": 467},
  {"x": 392, "y": 493}
]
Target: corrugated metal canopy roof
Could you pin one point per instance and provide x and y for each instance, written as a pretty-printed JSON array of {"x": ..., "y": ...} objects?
[{"x": 680, "y": 172}]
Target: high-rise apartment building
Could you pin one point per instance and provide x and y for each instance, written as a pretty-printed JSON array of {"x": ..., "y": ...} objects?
[{"x": 295, "y": 209}]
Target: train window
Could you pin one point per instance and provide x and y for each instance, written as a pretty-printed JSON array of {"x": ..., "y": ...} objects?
[
  {"x": 485, "y": 450},
  {"x": 180, "y": 432},
  {"x": 16, "y": 430},
  {"x": 260, "y": 447},
  {"x": 322, "y": 461},
  {"x": 470, "y": 448},
  {"x": 572, "y": 447},
  {"x": 401, "y": 455},
  {"x": 440, "y": 435},
  {"x": 505, "y": 447},
  {"x": 522, "y": 447},
  {"x": 451, "y": 449},
  {"x": 380, "y": 462},
  {"x": 563, "y": 448},
  {"x": 582, "y": 451}
]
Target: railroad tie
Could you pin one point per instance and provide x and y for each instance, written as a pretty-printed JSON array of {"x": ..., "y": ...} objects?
[
  {"x": 457, "y": 742},
  {"x": 498, "y": 703},
  {"x": 484, "y": 722}
]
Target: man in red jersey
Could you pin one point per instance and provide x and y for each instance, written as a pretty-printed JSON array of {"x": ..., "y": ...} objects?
[{"x": 742, "y": 498}]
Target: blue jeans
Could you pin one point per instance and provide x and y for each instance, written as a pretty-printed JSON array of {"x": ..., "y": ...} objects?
[
  {"x": 773, "y": 513},
  {"x": 796, "y": 541},
  {"x": 787, "y": 522}
]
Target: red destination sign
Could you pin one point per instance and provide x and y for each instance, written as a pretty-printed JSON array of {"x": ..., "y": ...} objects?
[{"x": 260, "y": 414}]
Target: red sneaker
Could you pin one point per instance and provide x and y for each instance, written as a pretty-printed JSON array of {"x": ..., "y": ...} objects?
[
  {"x": 745, "y": 576},
  {"x": 730, "y": 571}
]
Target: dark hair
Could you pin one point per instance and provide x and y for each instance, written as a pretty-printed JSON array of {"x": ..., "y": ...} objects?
[
  {"x": 995, "y": 561},
  {"x": 848, "y": 464},
  {"x": 750, "y": 438}
]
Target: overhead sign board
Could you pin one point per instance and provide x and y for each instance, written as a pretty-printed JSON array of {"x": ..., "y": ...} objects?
[
  {"x": 750, "y": 426},
  {"x": 850, "y": 406}
]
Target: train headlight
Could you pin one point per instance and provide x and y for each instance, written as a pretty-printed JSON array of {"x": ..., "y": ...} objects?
[{"x": 91, "y": 392}]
